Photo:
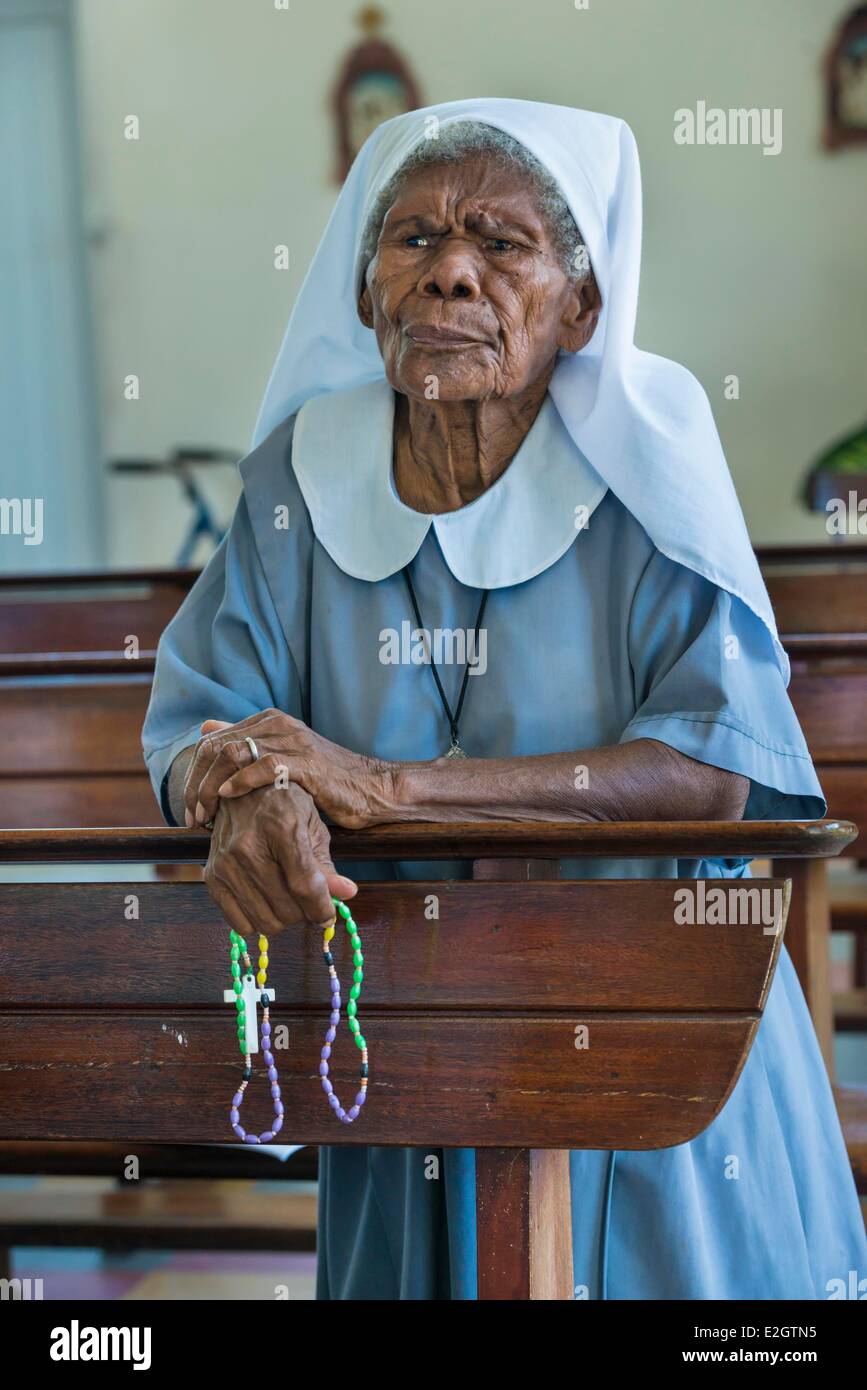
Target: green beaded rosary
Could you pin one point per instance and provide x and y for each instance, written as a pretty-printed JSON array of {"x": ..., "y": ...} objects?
[
  {"x": 345, "y": 1116},
  {"x": 245, "y": 995}
]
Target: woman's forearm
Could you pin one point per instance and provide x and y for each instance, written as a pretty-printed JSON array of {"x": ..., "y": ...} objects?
[
  {"x": 642, "y": 780},
  {"x": 177, "y": 778}
]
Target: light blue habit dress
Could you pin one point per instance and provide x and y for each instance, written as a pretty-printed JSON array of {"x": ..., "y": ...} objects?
[{"x": 598, "y": 638}]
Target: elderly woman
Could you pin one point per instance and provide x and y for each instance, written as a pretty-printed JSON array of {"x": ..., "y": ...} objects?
[{"x": 460, "y": 436}]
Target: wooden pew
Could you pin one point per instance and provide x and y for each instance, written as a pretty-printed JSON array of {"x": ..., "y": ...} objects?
[
  {"x": 210, "y": 1163},
  {"x": 75, "y": 699},
  {"x": 46, "y": 620},
  {"x": 191, "y": 1214},
  {"x": 77, "y": 704},
  {"x": 472, "y": 1017},
  {"x": 819, "y": 594},
  {"x": 815, "y": 588}
]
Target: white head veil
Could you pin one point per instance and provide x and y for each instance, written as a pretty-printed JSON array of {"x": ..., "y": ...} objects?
[{"x": 643, "y": 422}]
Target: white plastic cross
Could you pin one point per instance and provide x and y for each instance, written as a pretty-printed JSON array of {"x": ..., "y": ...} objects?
[{"x": 251, "y": 997}]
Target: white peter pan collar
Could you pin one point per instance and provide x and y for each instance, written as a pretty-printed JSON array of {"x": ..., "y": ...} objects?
[{"x": 523, "y": 523}]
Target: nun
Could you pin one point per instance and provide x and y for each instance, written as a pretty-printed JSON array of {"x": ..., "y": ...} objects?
[{"x": 460, "y": 434}]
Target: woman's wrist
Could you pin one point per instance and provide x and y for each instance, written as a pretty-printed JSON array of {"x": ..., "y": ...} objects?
[
  {"x": 443, "y": 789},
  {"x": 175, "y": 784},
  {"x": 390, "y": 796},
  {"x": 400, "y": 792}
]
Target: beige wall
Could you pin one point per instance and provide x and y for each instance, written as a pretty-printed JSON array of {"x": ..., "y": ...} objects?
[{"x": 753, "y": 265}]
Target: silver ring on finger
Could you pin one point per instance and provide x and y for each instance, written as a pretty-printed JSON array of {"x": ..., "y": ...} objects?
[{"x": 252, "y": 746}]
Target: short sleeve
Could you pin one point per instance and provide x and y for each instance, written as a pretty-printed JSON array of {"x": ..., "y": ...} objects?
[
  {"x": 223, "y": 656},
  {"x": 707, "y": 682}
]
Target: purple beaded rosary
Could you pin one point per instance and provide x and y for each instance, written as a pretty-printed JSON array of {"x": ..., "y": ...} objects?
[{"x": 245, "y": 995}]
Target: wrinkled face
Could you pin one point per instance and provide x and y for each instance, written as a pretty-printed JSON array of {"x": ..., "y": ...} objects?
[{"x": 466, "y": 293}]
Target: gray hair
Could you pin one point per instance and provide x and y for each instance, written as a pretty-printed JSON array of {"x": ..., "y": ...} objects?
[{"x": 461, "y": 140}]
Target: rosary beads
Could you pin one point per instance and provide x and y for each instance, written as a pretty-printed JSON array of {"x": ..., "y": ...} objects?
[
  {"x": 345, "y": 1116},
  {"x": 245, "y": 995}
]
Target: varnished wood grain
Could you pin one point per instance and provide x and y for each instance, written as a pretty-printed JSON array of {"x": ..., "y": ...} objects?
[
  {"x": 807, "y": 938},
  {"x": 59, "y": 665},
  {"x": 517, "y": 1015},
  {"x": 75, "y": 702},
  {"x": 544, "y": 945},
  {"x": 820, "y": 604},
  {"x": 73, "y": 727},
  {"x": 846, "y": 552},
  {"x": 832, "y": 648},
  {"x": 491, "y": 840},
  {"x": 550, "y": 1220},
  {"x": 503, "y": 1224},
  {"x": 831, "y": 707},
  {"x": 54, "y": 800},
  {"x": 471, "y": 1079},
  {"x": 44, "y": 581},
  {"x": 845, "y": 789},
  {"x": 523, "y": 1196},
  {"x": 818, "y": 600},
  {"x": 55, "y": 614}
]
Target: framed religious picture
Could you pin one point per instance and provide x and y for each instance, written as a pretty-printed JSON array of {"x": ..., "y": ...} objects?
[
  {"x": 846, "y": 82},
  {"x": 373, "y": 85}
]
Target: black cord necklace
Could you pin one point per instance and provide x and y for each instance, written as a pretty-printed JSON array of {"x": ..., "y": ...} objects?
[{"x": 455, "y": 750}]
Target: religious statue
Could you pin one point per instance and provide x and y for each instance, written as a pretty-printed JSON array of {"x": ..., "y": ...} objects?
[
  {"x": 374, "y": 84},
  {"x": 846, "y": 82}
]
